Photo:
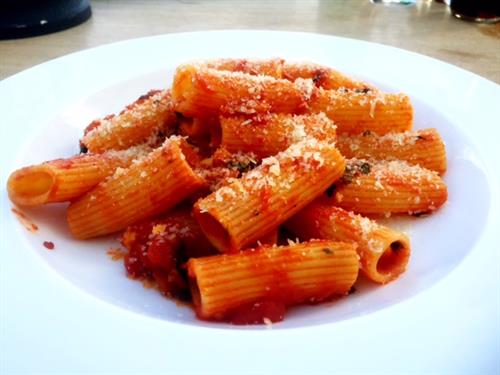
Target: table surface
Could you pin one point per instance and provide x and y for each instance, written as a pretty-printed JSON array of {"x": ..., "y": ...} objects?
[{"x": 426, "y": 27}]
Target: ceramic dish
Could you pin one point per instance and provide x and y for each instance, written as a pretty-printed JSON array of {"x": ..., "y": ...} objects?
[{"x": 73, "y": 308}]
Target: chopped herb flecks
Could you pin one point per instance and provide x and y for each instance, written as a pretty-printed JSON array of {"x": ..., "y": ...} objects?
[{"x": 365, "y": 168}]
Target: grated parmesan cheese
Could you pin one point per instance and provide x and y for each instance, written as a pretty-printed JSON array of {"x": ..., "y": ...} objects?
[
  {"x": 137, "y": 111},
  {"x": 119, "y": 172},
  {"x": 268, "y": 323},
  {"x": 159, "y": 229},
  {"x": 306, "y": 87},
  {"x": 274, "y": 165}
]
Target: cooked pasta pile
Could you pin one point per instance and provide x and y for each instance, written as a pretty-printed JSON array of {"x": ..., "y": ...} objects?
[{"x": 250, "y": 185}]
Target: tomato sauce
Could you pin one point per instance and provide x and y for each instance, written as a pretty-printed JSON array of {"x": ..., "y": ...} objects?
[
  {"x": 158, "y": 249},
  {"x": 265, "y": 196},
  {"x": 49, "y": 245},
  {"x": 258, "y": 313}
]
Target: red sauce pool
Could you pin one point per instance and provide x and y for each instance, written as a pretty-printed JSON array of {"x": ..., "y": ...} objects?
[
  {"x": 48, "y": 245},
  {"x": 258, "y": 313}
]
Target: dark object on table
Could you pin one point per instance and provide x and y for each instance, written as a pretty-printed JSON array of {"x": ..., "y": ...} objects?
[
  {"x": 476, "y": 10},
  {"x": 26, "y": 18}
]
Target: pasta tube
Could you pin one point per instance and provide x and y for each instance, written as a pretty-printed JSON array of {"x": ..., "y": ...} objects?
[
  {"x": 388, "y": 187},
  {"x": 62, "y": 180},
  {"x": 421, "y": 147},
  {"x": 312, "y": 271},
  {"x": 267, "y": 135},
  {"x": 147, "y": 188},
  {"x": 322, "y": 76},
  {"x": 356, "y": 112},
  {"x": 150, "y": 114},
  {"x": 202, "y": 92},
  {"x": 383, "y": 252},
  {"x": 238, "y": 214}
]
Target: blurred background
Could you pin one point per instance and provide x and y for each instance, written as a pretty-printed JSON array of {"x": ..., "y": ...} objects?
[{"x": 424, "y": 26}]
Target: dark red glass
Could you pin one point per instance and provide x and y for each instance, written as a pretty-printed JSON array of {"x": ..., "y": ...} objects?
[{"x": 476, "y": 10}]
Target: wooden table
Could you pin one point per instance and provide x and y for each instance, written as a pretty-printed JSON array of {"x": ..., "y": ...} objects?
[{"x": 426, "y": 27}]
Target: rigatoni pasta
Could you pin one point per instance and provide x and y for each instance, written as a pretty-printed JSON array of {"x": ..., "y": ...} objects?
[
  {"x": 384, "y": 252},
  {"x": 200, "y": 91},
  {"x": 387, "y": 187},
  {"x": 153, "y": 185},
  {"x": 356, "y": 112},
  {"x": 322, "y": 76},
  {"x": 62, "y": 180},
  {"x": 237, "y": 214},
  {"x": 146, "y": 117},
  {"x": 422, "y": 147},
  {"x": 239, "y": 161},
  {"x": 267, "y": 135},
  {"x": 311, "y": 271}
]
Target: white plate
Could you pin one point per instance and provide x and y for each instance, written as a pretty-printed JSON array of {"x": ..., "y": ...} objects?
[{"x": 73, "y": 309}]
